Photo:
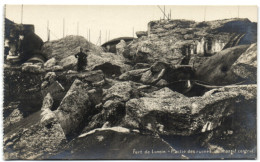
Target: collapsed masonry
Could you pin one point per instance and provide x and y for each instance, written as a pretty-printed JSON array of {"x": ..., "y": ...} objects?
[
  {"x": 140, "y": 97},
  {"x": 22, "y": 44},
  {"x": 190, "y": 37}
]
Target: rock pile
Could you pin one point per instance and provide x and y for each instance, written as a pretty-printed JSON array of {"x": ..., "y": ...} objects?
[
  {"x": 144, "y": 97},
  {"x": 169, "y": 40}
]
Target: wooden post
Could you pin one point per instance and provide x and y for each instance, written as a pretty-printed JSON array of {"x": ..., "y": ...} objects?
[
  {"x": 106, "y": 36},
  {"x": 22, "y": 15},
  {"x": 5, "y": 11},
  {"x": 164, "y": 15},
  {"x": 164, "y": 12},
  {"x": 63, "y": 27},
  {"x": 89, "y": 35},
  {"x": 97, "y": 41},
  {"x": 100, "y": 38},
  {"x": 238, "y": 12},
  {"x": 48, "y": 31},
  {"x": 77, "y": 28},
  {"x": 205, "y": 13}
]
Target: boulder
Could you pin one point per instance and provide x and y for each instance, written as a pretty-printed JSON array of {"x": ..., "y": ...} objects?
[
  {"x": 95, "y": 96},
  {"x": 116, "y": 143},
  {"x": 168, "y": 112},
  {"x": 166, "y": 39},
  {"x": 68, "y": 46},
  {"x": 55, "y": 89},
  {"x": 188, "y": 36},
  {"x": 23, "y": 87},
  {"x": 147, "y": 88},
  {"x": 120, "y": 47},
  {"x": 50, "y": 77},
  {"x": 15, "y": 116},
  {"x": 141, "y": 66},
  {"x": 246, "y": 65},
  {"x": 145, "y": 47},
  {"x": 112, "y": 114},
  {"x": 69, "y": 62},
  {"x": 120, "y": 91},
  {"x": 151, "y": 78},
  {"x": 217, "y": 69},
  {"x": 50, "y": 63},
  {"x": 55, "y": 68},
  {"x": 108, "y": 69},
  {"x": 170, "y": 26},
  {"x": 103, "y": 57},
  {"x": 99, "y": 83},
  {"x": 242, "y": 125},
  {"x": 140, "y": 34},
  {"x": 47, "y": 102},
  {"x": 158, "y": 30},
  {"x": 72, "y": 72},
  {"x": 162, "y": 83},
  {"x": 134, "y": 75},
  {"x": 86, "y": 77},
  {"x": 109, "y": 63},
  {"x": 158, "y": 66},
  {"x": 44, "y": 84},
  {"x": 73, "y": 108},
  {"x": 35, "y": 137},
  {"x": 33, "y": 69}
]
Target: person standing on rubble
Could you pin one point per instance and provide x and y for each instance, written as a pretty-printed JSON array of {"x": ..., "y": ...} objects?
[
  {"x": 20, "y": 43},
  {"x": 82, "y": 60}
]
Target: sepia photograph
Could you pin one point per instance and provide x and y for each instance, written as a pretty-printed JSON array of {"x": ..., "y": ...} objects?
[{"x": 129, "y": 82}]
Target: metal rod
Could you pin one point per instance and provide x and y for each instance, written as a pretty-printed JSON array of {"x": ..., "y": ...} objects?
[
  {"x": 238, "y": 12},
  {"x": 162, "y": 11},
  {"x": 4, "y": 11},
  {"x": 106, "y": 36},
  {"x": 63, "y": 27},
  {"x": 205, "y": 13},
  {"x": 98, "y": 41},
  {"x": 100, "y": 38},
  {"x": 89, "y": 35},
  {"x": 77, "y": 28},
  {"x": 48, "y": 31},
  {"x": 22, "y": 15}
]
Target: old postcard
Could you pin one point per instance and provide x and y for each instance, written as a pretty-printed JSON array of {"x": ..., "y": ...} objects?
[{"x": 129, "y": 82}]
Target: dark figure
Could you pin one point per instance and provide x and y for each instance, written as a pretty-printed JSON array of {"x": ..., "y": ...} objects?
[
  {"x": 20, "y": 45},
  {"x": 7, "y": 48},
  {"x": 186, "y": 59},
  {"x": 82, "y": 60}
]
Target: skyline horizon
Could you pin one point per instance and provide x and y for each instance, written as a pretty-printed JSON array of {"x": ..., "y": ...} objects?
[{"x": 97, "y": 20}]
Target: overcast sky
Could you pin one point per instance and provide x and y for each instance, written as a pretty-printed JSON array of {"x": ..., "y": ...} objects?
[{"x": 119, "y": 20}]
